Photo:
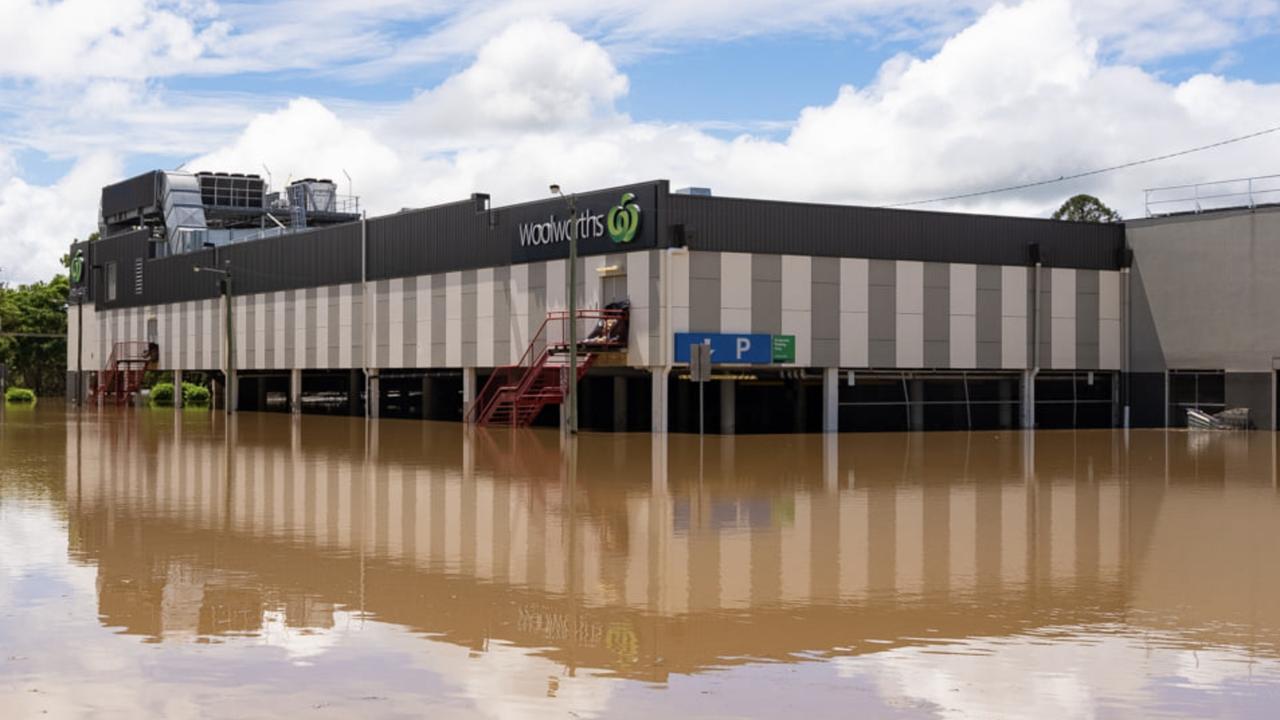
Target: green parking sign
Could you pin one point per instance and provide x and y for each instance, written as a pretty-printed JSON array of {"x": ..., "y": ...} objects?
[{"x": 784, "y": 348}]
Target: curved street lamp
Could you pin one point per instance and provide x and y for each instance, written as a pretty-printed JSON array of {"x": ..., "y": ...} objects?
[{"x": 572, "y": 400}]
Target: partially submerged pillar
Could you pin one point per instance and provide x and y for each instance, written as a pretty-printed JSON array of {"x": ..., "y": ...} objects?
[
  {"x": 620, "y": 403},
  {"x": 658, "y": 398},
  {"x": 1028, "y": 399},
  {"x": 728, "y": 407},
  {"x": 831, "y": 400},
  {"x": 468, "y": 390},
  {"x": 353, "y": 393},
  {"x": 295, "y": 390}
]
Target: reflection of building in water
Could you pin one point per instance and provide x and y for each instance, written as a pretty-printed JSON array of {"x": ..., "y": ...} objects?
[{"x": 658, "y": 558}]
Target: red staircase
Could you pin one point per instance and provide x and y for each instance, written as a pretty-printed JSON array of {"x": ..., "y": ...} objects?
[
  {"x": 121, "y": 379},
  {"x": 516, "y": 394}
]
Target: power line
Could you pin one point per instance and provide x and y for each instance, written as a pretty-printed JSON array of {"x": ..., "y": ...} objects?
[{"x": 1099, "y": 171}]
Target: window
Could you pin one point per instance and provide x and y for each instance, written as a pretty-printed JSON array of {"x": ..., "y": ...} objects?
[{"x": 111, "y": 281}]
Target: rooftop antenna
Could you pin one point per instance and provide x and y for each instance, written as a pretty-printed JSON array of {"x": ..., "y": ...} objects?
[{"x": 350, "y": 191}]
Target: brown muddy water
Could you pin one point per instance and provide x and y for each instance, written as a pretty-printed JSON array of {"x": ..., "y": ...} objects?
[{"x": 153, "y": 564}]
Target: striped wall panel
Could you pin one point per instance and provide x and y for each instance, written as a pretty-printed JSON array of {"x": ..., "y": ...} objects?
[{"x": 843, "y": 312}]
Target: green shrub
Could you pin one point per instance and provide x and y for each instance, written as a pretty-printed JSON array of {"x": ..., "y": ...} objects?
[
  {"x": 162, "y": 394},
  {"x": 19, "y": 395},
  {"x": 194, "y": 395}
]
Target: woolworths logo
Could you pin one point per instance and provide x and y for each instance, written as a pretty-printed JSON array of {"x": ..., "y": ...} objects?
[
  {"x": 624, "y": 219},
  {"x": 621, "y": 224},
  {"x": 77, "y": 266}
]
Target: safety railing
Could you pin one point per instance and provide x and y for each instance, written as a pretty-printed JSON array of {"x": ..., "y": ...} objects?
[{"x": 1216, "y": 195}]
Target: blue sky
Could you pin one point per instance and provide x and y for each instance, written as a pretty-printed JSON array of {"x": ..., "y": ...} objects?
[{"x": 425, "y": 101}]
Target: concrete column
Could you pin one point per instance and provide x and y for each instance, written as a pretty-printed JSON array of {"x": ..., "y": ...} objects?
[
  {"x": 469, "y": 390},
  {"x": 801, "y": 408},
  {"x": 426, "y": 397},
  {"x": 830, "y": 460},
  {"x": 353, "y": 393},
  {"x": 658, "y": 398},
  {"x": 233, "y": 386},
  {"x": 373, "y": 394},
  {"x": 177, "y": 389},
  {"x": 620, "y": 403},
  {"x": 658, "y": 467},
  {"x": 1028, "y": 400},
  {"x": 831, "y": 400},
  {"x": 1005, "y": 395},
  {"x": 295, "y": 390},
  {"x": 728, "y": 407},
  {"x": 917, "y": 405}
]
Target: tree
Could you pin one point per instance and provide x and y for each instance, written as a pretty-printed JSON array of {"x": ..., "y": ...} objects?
[
  {"x": 36, "y": 309},
  {"x": 1086, "y": 208}
]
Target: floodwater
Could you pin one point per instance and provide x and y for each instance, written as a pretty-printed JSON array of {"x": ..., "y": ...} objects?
[{"x": 153, "y": 564}]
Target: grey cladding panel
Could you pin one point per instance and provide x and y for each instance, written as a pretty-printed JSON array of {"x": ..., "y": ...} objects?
[
  {"x": 408, "y": 349},
  {"x": 468, "y": 318},
  {"x": 438, "y": 320},
  {"x": 1087, "y": 347},
  {"x": 882, "y": 320},
  {"x": 502, "y": 316},
  {"x": 990, "y": 320},
  {"x": 824, "y": 304},
  {"x": 766, "y": 293},
  {"x": 382, "y": 323},
  {"x": 704, "y": 292}
]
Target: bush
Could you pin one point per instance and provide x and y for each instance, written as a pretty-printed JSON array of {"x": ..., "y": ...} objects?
[
  {"x": 194, "y": 395},
  {"x": 162, "y": 394},
  {"x": 19, "y": 395}
]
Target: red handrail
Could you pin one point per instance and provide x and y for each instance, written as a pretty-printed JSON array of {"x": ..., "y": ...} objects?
[{"x": 538, "y": 354}]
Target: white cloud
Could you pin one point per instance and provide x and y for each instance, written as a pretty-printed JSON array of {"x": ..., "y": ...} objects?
[
  {"x": 1133, "y": 30},
  {"x": 1023, "y": 93},
  {"x": 90, "y": 38},
  {"x": 137, "y": 39},
  {"x": 38, "y": 223},
  {"x": 516, "y": 85},
  {"x": 1080, "y": 677}
]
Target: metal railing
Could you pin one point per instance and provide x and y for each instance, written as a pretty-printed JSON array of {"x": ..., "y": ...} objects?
[{"x": 1216, "y": 195}]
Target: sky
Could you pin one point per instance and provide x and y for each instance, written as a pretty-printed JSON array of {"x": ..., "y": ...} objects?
[{"x": 421, "y": 102}]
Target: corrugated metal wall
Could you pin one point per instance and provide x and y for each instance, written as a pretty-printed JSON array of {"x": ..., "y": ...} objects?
[
  {"x": 327, "y": 256},
  {"x": 431, "y": 240},
  {"x": 759, "y": 226},
  {"x": 458, "y": 237}
]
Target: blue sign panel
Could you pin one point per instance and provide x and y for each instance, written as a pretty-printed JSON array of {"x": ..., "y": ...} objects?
[{"x": 750, "y": 348}]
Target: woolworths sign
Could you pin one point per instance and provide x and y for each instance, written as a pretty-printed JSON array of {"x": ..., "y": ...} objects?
[{"x": 620, "y": 224}]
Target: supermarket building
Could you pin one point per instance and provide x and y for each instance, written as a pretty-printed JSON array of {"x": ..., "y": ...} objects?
[{"x": 821, "y": 317}]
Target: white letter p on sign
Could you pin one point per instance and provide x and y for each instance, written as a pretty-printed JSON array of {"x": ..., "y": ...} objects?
[{"x": 744, "y": 344}]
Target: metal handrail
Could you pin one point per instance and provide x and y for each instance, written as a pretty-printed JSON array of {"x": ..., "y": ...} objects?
[
  {"x": 1250, "y": 195},
  {"x": 501, "y": 379}
]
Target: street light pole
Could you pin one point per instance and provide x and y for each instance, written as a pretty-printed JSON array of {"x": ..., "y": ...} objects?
[
  {"x": 572, "y": 200},
  {"x": 230, "y": 359}
]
